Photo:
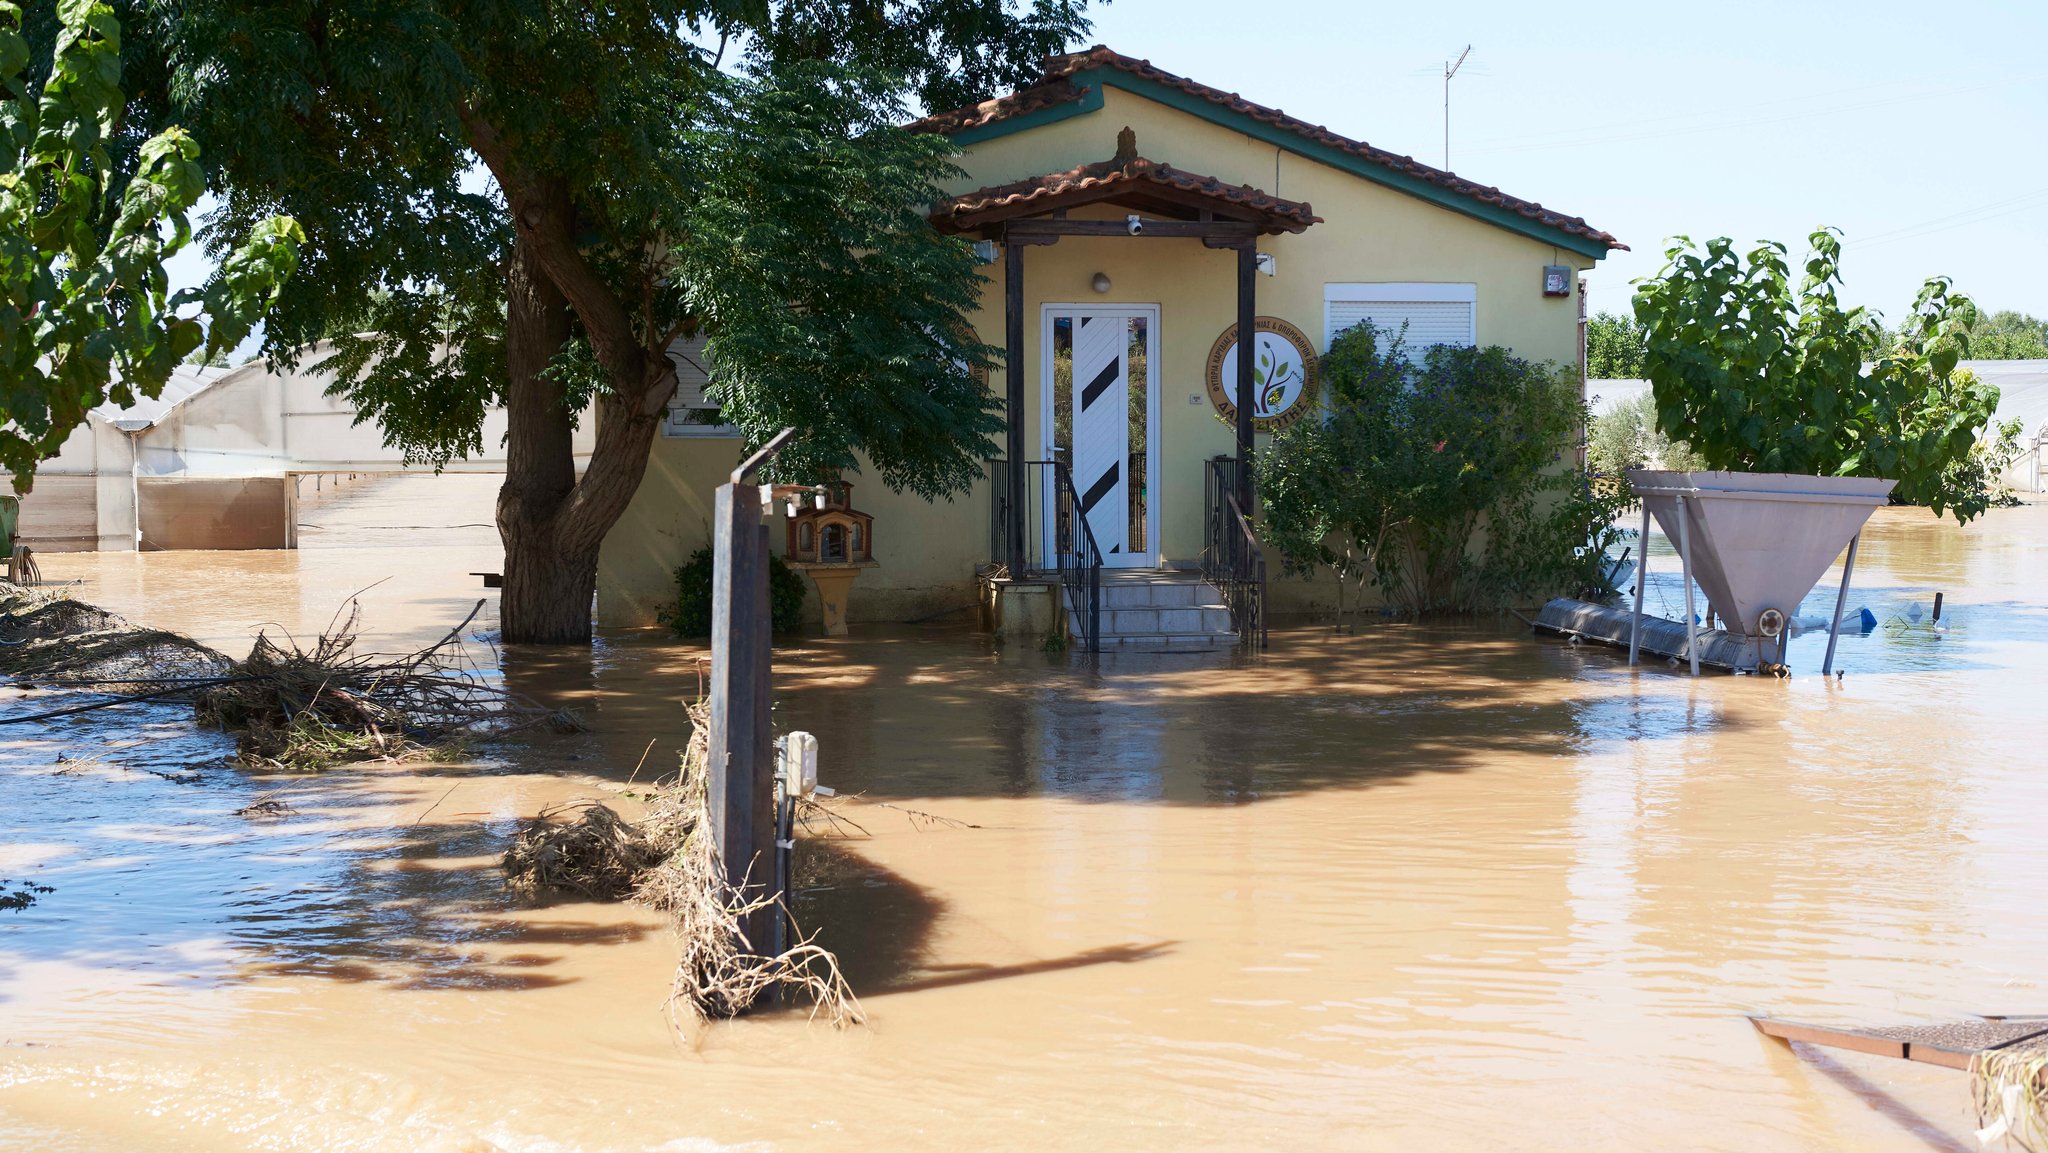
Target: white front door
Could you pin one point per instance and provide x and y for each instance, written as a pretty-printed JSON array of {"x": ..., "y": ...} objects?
[{"x": 1100, "y": 389}]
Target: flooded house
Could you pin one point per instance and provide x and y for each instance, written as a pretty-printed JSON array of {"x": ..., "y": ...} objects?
[{"x": 1133, "y": 222}]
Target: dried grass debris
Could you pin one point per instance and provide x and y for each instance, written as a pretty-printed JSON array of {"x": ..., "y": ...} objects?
[
  {"x": 50, "y": 639},
  {"x": 598, "y": 855},
  {"x": 721, "y": 973}
]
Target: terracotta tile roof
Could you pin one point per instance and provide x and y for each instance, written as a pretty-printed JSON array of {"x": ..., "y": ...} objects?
[
  {"x": 1061, "y": 68},
  {"x": 1017, "y": 103},
  {"x": 1281, "y": 215}
]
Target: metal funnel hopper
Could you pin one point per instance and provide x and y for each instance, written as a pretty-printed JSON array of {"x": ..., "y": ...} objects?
[{"x": 1758, "y": 540}]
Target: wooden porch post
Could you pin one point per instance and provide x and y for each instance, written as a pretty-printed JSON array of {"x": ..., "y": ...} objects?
[
  {"x": 1247, "y": 355},
  {"x": 1013, "y": 369}
]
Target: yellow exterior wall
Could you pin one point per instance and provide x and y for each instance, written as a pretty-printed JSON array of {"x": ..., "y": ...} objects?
[
  {"x": 1370, "y": 233},
  {"x": 925, "y": 552}
]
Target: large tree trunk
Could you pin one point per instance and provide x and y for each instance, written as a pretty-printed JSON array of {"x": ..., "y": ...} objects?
[
  {"x": 551, "y": 522},
  {"x": 547, "y": 594}
]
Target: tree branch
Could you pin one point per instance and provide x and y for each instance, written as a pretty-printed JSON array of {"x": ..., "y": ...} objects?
[{"x": 543, "y": 215}]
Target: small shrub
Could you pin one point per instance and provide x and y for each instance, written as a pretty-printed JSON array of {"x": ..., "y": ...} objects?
[{"x": 691, "y": 616}]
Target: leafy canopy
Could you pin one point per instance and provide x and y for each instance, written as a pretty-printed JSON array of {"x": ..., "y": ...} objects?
[
  {"x": 1756, "y": 376},
  {"x": 86, "y": 311},
  {"x": 771, "y": 206}
]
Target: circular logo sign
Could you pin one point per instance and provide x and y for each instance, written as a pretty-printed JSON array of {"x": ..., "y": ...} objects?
[{"x": 1283, "y": 374}]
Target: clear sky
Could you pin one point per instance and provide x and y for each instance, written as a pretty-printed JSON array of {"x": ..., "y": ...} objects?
[{"x": 1919, "y": 129}]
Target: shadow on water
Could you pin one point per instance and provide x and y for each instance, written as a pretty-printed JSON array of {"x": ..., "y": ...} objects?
[{"x": 165, "y": 878}]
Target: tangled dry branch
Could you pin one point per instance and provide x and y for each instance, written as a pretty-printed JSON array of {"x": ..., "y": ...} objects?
[{"x": 290, "y": 707}]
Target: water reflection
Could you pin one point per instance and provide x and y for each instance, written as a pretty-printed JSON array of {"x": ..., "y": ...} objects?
[{"x": 1440, "y": 886}]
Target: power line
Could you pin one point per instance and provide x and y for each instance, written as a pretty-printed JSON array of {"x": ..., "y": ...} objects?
[{"x": 1963, "y": 219}]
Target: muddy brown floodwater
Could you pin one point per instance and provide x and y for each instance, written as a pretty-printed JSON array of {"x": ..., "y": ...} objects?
[{"x": 1439, "y": 887}]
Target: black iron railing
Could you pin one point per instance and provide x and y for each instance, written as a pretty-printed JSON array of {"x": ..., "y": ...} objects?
[
  {"x": 1057, "y": 540},
  {"x": 1231, "y": 557},
  {"x": 1080, "y": 561}
]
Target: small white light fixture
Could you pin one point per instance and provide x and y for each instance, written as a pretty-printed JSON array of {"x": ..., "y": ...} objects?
[
  {"x": 985, "y": 251},
  {"x": 1100, "y": 282},
  {"x": 1266, "y": 264}
]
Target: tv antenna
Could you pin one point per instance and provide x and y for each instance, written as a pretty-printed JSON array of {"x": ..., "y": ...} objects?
[{"x": 1451, "y": 69}]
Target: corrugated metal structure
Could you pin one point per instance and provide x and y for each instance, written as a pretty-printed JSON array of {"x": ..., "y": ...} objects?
[{"x": 215, "y": 462}]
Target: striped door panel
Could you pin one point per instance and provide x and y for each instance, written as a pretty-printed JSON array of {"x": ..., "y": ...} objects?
[{"x": 1101, "y": 428}]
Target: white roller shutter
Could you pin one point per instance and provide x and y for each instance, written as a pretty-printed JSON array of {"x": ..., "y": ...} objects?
[
  {"x": 1432, "y": 313},
  {"x": 691, "y": 412}
]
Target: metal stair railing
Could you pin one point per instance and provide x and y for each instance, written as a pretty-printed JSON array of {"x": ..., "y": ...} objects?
[
  {"x": 1079, "y": 560},
  {"x": 1231, "y": 557}
]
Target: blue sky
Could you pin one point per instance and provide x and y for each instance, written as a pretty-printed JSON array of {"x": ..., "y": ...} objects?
[{"x": 1920, "y": 130}]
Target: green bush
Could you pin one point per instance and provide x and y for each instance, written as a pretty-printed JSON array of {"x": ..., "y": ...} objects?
[
  {"x": 691, "y": 616},
  {"x": 1417, "y": 458}
]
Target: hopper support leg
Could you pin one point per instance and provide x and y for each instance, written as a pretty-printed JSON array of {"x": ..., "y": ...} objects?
[
  {"x": 1635, "y": 628},
  {"x": 1692, "y": 624},
  {"x": 1841, "y": 598}
]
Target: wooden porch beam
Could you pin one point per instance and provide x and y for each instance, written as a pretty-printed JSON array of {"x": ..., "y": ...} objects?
[
  {"x": 1013, "y": 379},
  {"x": 1041, "y": 231},
  {"x": 1247, "y": 358}
]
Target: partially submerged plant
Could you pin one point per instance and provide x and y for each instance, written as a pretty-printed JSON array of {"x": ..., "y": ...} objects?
[
  {"x": 1437, "y": 477},
  {"x": 1755, "y": 376},
  {"x": 2011, "y": 1090}
]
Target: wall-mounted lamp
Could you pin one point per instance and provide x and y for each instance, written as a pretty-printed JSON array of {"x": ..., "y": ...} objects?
[
  {"x": 1100, "y": 283},
  {"x": 985, "y": 251},
  {"x": 1266, "y": 264},
  {"x": 1557, "y": 280}
]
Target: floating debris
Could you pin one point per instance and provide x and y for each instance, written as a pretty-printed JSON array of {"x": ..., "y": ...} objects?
[{"x": 599, "y": 855}]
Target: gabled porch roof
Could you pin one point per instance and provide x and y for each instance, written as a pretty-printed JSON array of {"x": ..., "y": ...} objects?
[{"x": 1130, "y": 181}]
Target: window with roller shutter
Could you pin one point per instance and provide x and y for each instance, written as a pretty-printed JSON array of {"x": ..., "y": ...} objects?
[
  {"x": 1432, "y": 313},
  {"x": 691, "y": 412}
]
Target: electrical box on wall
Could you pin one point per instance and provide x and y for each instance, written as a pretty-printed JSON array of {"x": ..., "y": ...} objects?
[{"x": 1557, "y": 280}]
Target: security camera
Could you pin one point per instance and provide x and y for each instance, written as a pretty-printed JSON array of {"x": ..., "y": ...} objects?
[{"x": 1134, "y": 223}]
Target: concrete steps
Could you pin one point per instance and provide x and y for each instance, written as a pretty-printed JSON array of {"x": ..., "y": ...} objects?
[{"x": 1160, "y": 610}]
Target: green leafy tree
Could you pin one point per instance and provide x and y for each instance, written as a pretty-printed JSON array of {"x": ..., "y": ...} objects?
[
  {"x": 2009, "y": 335},
  {"x": 1754, "y": 375},
  {"x": 1614, "y": 347},
  {"x": 1419, "y": 455},
  {"x": 86, "y": 311},
  {"x": 639, "y": 190}
]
